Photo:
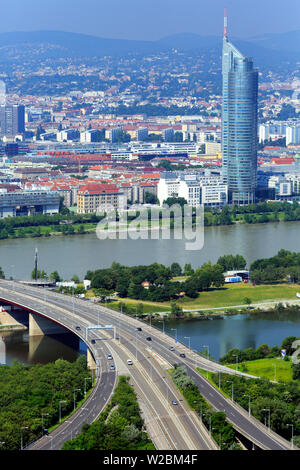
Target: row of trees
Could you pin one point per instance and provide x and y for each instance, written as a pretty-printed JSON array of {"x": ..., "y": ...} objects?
[
  {"x": 222, "y": 431},
  {"x": 281, "y": 399},
  {"x": 263, "y": 351},
  {"x": 119, "y": 427},
  {"x": 285, "y": 266},
  {"x": 154, "y": 282}
]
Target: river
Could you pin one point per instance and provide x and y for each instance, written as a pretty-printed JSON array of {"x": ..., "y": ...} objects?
[{"x": 79, "y": 253}]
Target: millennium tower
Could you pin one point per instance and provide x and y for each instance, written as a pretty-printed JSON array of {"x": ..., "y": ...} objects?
[{"x": 239, "y": 123}]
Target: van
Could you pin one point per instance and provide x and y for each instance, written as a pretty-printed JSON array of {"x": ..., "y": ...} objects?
[{"x": 129, "y": 362}]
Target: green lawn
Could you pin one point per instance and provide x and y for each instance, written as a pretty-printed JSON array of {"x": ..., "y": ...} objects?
[
  {"x": 266, "y": 368},
  {"x": 235, "y": 294},
  {"x": 229, "y": 295}
]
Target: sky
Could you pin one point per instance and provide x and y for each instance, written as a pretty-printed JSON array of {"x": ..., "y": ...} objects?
[{"x": 151, "y": 19}]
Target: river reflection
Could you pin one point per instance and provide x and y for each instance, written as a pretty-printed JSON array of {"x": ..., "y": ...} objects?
[{"x": 18, "y": 345}]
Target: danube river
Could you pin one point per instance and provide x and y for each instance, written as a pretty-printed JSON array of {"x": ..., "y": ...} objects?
[{"x": 77, "y": 254}]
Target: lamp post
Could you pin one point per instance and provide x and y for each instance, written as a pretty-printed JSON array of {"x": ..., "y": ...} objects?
[
  {"x": 60, "y": 403},
  {"x": 230, "y": 381},
  {"x": 43, "y": 414},
  {"x": 86, "y": 378},
  {"x": 269, "y": 420},
  {"x": 207, "y": 356},
  {"x": 175, "y": 329},
  {"x": 189, "y": 338},
  {"x": 23, "y": 427},
  {"x": 249, "y": 408},
  {"x": 292, "y": 426},
  {"x": 76, "y": 390}
]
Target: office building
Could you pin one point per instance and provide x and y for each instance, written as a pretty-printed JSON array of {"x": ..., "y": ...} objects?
[
  {"x": 239, "y": 123},
  {"x": 12, "y": 120},
  {"x": 22, "y": 203}
]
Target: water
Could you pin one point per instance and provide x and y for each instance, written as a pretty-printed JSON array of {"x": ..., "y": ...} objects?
[
  {"x": 19, "y": 346},
  {"x": 79, "y": 253},
  {"x": 236, "y": 331}
]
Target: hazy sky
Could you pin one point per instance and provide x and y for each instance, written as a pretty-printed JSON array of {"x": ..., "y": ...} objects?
[{"x": 150, "y": 19}]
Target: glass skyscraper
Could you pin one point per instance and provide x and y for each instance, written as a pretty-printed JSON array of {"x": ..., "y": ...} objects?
[{"x": 239, "y": 123}]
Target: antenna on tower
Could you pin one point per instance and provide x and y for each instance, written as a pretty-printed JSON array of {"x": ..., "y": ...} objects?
[
  {"x": 225, "y": 22},
  {"x": 36, "y": 264}
]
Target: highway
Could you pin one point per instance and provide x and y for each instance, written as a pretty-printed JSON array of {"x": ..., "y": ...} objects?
[{"x": 170, "y": 427}]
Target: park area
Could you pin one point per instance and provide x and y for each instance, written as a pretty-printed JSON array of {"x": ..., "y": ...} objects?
[{"x": 230, "y": 295}]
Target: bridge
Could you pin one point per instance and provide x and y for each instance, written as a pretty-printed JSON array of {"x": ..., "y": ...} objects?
[{"x": 170, "y": 427}]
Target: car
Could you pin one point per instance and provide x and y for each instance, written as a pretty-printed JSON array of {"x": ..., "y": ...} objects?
[
  {"x": 129, "y": 362},
  {"x": 149, "y": 338},
  {"x": 174, "y": 402},
  {"x": 112, "y": 367},
  {"x": 172, "y": 348},
  {"x": 109, "y": 356},
  {"x": 138, "y": 329},
  {"x": 182, "y": 355},
  {"x": 93, "y": 341},
  {"x": 78, "y": 327}
]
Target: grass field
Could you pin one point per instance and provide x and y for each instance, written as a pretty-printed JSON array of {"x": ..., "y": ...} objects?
[
  {"x": 229, "y": 295},
  {"x": 266, "y": 368}
]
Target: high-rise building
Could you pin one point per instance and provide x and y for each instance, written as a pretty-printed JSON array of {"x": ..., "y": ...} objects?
[
  {"x": 12, "y": 120},
  {"x": 239, "y": 123}
]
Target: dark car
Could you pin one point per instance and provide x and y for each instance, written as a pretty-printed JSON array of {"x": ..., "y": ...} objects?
[
  {"x": 93, "y": 341},
  {"x": 182, "y": 355},
  {"x": 139, "y": 329},
  {"x": 78, "y": 328},
  {"x": 149, "y": 338}
]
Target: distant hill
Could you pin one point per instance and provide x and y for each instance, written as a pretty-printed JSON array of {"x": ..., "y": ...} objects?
[{"x": 270, "y": 48}]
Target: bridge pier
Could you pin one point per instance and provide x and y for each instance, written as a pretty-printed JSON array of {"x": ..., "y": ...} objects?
[
  {"x": 90, "y": 360},
  {"x": 7, "y": 318},
  {"x": 39, "y": 325}
]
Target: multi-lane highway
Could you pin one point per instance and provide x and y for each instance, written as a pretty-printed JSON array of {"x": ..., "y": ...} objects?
[{"x": 170, "y": 426}]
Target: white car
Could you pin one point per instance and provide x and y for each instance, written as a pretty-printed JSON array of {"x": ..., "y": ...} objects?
[{"x": 109, "y": 356}]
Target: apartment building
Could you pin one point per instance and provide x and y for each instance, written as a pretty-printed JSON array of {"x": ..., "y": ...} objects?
[{"x": 94, "y": 198}]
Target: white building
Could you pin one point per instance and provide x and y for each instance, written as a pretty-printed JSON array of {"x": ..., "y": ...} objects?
[{"x": 195, "y": 189}]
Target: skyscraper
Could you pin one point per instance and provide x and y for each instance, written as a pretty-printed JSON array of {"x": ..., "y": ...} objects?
[
  {"x": 12, "y": 120},
  {"x": 239, "y": 123}
]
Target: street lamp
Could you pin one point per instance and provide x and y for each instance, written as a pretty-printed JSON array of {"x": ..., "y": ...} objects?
[
  {"x": 209, "y": 423},
  {"x": 230, "y": 381},
  {"x": 249, "y": 409},
  {"x": 269, "y": 421},
  {"x": 43, "y": 414},
  {"x": 207, "y": 356},
  {"x": 23, "y": 427},
  {"x": 189, "y": 338},
  {"x": 292, "y": 434},
  {"x": 86, "y": 378},
  {"x": 76, "y": 390},
  {"x": 60, "y": 403},
  {"x": 175, "y": 329}
]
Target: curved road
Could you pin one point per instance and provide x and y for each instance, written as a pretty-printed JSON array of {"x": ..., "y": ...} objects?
[{"x": 148, "y": 375}]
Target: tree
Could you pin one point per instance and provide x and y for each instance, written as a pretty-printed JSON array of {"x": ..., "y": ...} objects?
[
  {"x": 176, "y": 311},
  {"x": 55, "y": 276},
  {"x": 247, "y": 301},
  {"x": 175, "y": 269},
  {"x": 2, "y": 275}
]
